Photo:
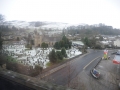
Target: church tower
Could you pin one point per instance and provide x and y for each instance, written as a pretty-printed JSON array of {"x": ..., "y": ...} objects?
[{"x": 38, "y": 38}]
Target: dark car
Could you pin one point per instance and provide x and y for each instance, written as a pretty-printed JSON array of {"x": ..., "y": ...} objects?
[{"x": 95, "y": 73}]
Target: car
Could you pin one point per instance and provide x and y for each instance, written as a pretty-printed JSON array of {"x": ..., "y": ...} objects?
[
  {"x": 95, "y": 73},
  {"x": 119, "y": 84},
  {"x": 116, "y": 59},
  {"x": 118, "y": 52}
]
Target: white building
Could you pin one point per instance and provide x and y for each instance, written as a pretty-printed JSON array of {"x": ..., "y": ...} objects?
[
  {"x": 77, "y": 43},
  {"x": 117, "y": 42}
]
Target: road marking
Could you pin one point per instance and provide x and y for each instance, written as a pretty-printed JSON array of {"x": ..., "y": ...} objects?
[
  {"x": 101, "y": 66},
  {"x": 90, "y": 63}
]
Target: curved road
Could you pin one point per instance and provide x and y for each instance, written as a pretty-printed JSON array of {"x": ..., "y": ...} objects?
[{"x": 72, "y": 69}]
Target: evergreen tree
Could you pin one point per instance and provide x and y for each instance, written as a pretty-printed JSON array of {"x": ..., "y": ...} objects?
[
  {"x": 64, "y": 43},
  {"x": 63, "y": 52},
  {"x": 59, "y": 55},
  {"x": 18, "y": 39},
  {"x": 57, "y": 45},
  {"x": 1, "y": 29},
  {"x": 53, "y": 56},
  {"x": 44, "y": 45},
  {"x": 1, "y": 41},
  {"x": 70, "y": 44}
]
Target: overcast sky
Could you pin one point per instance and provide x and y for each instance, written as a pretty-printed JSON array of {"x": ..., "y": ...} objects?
[{"x": 69, "y": 11}]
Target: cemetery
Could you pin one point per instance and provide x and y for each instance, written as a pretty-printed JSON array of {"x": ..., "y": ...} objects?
[{"x": 36, "y": 56}]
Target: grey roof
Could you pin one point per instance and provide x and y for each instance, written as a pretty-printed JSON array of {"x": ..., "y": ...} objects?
[{"x": 53, "y": 39}]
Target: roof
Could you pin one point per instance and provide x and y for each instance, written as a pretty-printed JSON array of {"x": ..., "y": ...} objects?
[
  {"x": 78, "y": 42},
  {"x": 53, "y": 39}
]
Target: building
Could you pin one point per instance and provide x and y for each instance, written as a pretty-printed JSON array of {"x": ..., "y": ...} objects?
[
  {"x": 40, "y": 37},
  {"x": 117, "y": 43}
]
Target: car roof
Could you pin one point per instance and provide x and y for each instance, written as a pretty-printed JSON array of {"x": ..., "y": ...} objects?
[{"x": 117, "y": 57}]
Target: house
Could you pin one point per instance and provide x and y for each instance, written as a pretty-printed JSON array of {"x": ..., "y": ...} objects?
[
  {"x": 117, "y": 43},
  {"x": 78, "y": 44},
  {"x": 103, "y": 44}
]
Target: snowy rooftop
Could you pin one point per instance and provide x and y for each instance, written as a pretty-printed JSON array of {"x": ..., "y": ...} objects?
[{"x": 78, "y": 42}]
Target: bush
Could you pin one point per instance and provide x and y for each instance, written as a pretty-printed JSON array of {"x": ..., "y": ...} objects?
[
  {"x": 98, "y": 47},
  {"x": 38, "y": 68},
  {"x": 28, "y": 46}
]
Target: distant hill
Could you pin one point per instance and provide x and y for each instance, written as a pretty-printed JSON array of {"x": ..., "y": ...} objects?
[
  {"x": 71, "y": 29},
  {"x": 93, "y": 29},
  {"x": 37, "y": 24}
]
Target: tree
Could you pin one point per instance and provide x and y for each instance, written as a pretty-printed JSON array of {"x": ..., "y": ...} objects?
[
  {"x": 32, "y": 42},
  {"x": 59, "y": 55},
  {"x": 1, "y": 41},
  {"x": 28, "y": 46},
  {"x": 70, "y": 44},
  {"x": 53, "y": 56},
  {"x": 38, "y": 68},
  {"x": 1, "y": 18},
  {"x": 86, "y": 41},
  {"x": 64, "y": 43},
  {"x": 101, "y": 38},
  {"x": 63, "y": 52},
  {"x": 44, "y": 45},
  {"x": 93, "y": 42},
  {"x": 18, "y": 39},
  {"x": 29, "y": 38},
  {"x": 57, "y": 45}
]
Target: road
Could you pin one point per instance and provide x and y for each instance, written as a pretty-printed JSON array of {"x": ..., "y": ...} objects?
[{"x": 72, "y": 69}]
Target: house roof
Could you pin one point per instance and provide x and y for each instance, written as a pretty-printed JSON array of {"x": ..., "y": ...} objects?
[{"x": 53, "y": 39}]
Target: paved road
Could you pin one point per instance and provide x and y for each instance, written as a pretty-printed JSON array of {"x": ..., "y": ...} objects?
[{"x": 71, "y": 70}]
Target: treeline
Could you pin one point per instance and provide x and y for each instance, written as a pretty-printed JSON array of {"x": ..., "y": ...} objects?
[
  {"x": 4, "y": 28},
  {"x": 90, "y": 30},
  {"x": 56, "y": 56},
  {"x": 64, "y": 43}
]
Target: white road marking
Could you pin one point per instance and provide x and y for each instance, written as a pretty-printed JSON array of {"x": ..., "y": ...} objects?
[{"x": 90, "y": 63}]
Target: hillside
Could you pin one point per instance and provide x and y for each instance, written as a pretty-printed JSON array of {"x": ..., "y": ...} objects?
[{"x": 93, "y": 29}]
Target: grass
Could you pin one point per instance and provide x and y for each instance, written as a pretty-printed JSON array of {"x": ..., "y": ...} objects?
[
  {"x": 59, "y": 61},
  {"x": 27, "y": 49},
  {"x": 49, "y": 64},
  {"x": 10, "y": 59}
]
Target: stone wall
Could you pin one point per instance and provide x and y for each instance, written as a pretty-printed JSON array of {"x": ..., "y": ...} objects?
[{"x": 34, "y": 83}]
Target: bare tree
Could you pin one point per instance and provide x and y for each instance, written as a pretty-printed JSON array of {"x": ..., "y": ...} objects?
[{"x": 1, "y": 18}]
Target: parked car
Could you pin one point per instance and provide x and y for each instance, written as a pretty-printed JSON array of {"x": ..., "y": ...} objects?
[
  {"x": 95, "y": 73},
  {"x": 116, "y": 59},
  {"x": 118, "y": 52}
]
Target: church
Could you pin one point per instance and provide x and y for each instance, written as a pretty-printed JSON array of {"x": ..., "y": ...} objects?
[{"x": 41, "y": 36}]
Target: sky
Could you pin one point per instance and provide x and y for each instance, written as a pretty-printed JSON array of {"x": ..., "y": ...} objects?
[{"x": 68, "y": 11}]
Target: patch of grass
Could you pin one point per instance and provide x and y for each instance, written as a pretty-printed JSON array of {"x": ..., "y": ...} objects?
[
  {"x": 49, "y": 64},
  {"x": 14, "y": 60},
  {"x": 10, "y": 59},
  {"x": 59, "y": 61},
  {"x": 27, "y": 49}
]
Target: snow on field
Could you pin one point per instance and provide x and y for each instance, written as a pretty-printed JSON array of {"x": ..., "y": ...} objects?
[{"x": 36, "y": 56}]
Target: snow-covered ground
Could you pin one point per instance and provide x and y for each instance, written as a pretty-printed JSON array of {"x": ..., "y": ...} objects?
[{"x": 36, "y": 56}]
